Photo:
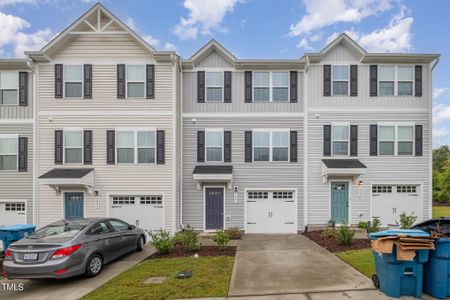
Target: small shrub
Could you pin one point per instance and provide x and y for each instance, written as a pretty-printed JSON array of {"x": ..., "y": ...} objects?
[
  {"x": 407, "y": 221},
  {"x": 328, "y": 233},
  {"x": 362, "y": 225},
  {"x": 234, "y": 233},
  {"x": 345, "y": 235},
  {"x": 188, "y": 239},
  {"x": 221, "y": 238},
  {"x": 162, "y": 241},
  {"x": 374, "y": 226}
]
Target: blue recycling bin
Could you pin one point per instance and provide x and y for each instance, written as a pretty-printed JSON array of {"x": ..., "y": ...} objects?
[
  {"x": 10, "y": 234},
  {"x": 397, "y": 278},
  {"x": 437, "y": 270}
]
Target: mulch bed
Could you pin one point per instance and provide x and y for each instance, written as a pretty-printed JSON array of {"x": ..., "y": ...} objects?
[
  {"x": 179, "y": 251},
  {"x": 333, "y": 245},
  {"x": 436, "y": 203}
]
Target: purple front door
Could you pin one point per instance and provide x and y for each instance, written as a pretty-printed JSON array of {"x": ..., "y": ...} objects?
[{"x": 213, "y": 208}]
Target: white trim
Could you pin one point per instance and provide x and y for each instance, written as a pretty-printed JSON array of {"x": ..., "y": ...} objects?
[
  {"x": 244, "y": 115},
  {"x": 17, "y": 88},
  {"x": 135, "y": 132},
  {"x": 16, "y": 121},
  {"x": 271, "y": 131},
  {"x": 305, "y": 149},
  {"x": 204, "y": 204},
  {"x": 396, "y": 80},
  {"x": 428, "y": 150},
  {"x": 340, "y": 124},
  {"x": 214, "y": 86},
  {"x": 106, "y": 113},
  {"x": 340, "y": 80},
  {"x": 35, "y": 147},
  {"x": 174, "y": 152},
  {"x": 394, "y": 110},
  {"x": 214, "y": 130},
  {"x": 349, "y": 196},
  {"x": 65, "y": 81},
  {"x": 63, "y": 198},
  {"x": 271, "y": 86}
]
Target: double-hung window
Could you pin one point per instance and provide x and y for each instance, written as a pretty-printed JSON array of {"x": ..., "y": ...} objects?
[
  {"x": 8, "y": 152},
  {"x": 73, "y": 78},
  {"x": 261, "y": 146},
  {"x": 261, "y": 86},
  {"x": 136, "y": 146},
  {"x": 396, "y": 139},
  {"x": 271, "y": 145},
  {"x": 280, "y": 146},
  {"x": 280, "y": 86},
  {"x": 395, "y": 80},
  {"x": 405, "y": 140},
  {"x": 9, "y": 82},
  {"x": 136, "y": 81},
  {"x": 405, "y": 80},
  {"x": 73, "y": 146},
  {"x": 386, "y": 80},
  {"x": 340, "y": 78},
  {"x": 271, "y": 86},
  {"x": 340, "y": 139},
  {"x": 214, "y": 86},
  {"x": 214, "y": 145},
  {"x": 386, "y": 140}
]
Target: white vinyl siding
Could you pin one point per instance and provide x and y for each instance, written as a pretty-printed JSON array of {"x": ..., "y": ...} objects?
[
  {"x": 340, "y": 80},
  {"x": 73, "y": 146},
  {"x": 214, "y": 86},
  {"x": 270, "y": 86},
  {"x": 395, "y": 139},
  {"x": 395, "y": 80},
  {"x": 73, "y": 81},
  {"x": 9, "y": 83},
  {"x": 8, "y": 152},
  {"x": 135, "y": 81},
  {"x": 340, "y": 137},
  {"x": 214, "y": 145},
  {"x": 271, "y": 145},
  {"x": 136, "y": 146}
]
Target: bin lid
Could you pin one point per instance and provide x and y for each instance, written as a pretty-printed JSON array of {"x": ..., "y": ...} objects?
[
  {"x": 395, "y": 232},
  {"x": 18, "y": 227}
]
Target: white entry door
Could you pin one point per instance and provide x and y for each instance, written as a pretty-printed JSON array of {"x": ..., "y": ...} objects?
[
  {"x": 271, "y": 212},
  {"x": 390, "y": 201},
  {"x": 12, "y": 212},
  {"x": 145, "y": 212}
]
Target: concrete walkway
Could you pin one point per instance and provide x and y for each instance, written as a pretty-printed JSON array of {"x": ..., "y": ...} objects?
[{"x": 72, "y": 288}]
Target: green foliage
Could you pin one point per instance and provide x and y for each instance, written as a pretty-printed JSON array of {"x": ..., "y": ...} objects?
[
  {"x": 234, "y": 233},
  {"x": 407, "y": 221},
  {"x": 441, "y": 174},
  {"x": 440, "y": 156},
  {"x": 328, "y": 233},
  {"x": 345, "y": 235},
  {"x": 362, "y": 225},
  {"x": 374, "y": 226},
  {"x": 221, "y": 238},
  {"x": 188, "y": 239},
  {"x": 162, "y": 241}
]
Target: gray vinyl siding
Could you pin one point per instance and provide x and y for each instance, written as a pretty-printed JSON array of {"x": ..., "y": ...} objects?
[
  {"x": 343, "y": 54},
  {"x": 16, "y": 185},
  {"x": 380, "y": 169},
  {"x": 16, "y": 111},
  {"x": 214, "y": 60},
  {"x": 237, "y": 104},
  {"x": 277, "y": 175}
]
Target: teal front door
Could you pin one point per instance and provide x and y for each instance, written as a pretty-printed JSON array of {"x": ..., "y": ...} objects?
[
  {"x": 74, "y": 205},
  {"x": 339, "y": 202}
]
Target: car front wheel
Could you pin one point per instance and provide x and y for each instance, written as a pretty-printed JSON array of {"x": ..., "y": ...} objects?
[
  {"x": 94, "y": 265},
  {"x": 140, "y": 244}
]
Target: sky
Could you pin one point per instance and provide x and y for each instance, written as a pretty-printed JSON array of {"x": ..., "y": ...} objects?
[{"x": 256, "y": 29}]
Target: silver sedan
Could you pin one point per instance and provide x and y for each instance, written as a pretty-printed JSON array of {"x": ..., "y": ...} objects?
[{"x": 72, "y": 247}]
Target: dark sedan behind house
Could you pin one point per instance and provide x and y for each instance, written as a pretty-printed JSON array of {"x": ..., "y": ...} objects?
[{"x": 72, "y": 247}]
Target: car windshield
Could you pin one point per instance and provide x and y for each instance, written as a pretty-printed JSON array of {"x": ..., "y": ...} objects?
[{"x": 57, "y": 231}]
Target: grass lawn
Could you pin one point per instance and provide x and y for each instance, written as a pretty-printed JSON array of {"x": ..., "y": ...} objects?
[
  {"x": 441, "y": 211},
  {"x": 211, "y": 278},
  {"x": 362, "y": 260}
]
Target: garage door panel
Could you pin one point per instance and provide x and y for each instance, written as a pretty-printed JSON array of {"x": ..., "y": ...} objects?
[{"x": 12, "y": 213}]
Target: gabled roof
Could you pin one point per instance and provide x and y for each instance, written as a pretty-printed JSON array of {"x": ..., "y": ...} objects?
[
  {"x": 342, "y": 39},
  {"x": 207, "y": 49}
]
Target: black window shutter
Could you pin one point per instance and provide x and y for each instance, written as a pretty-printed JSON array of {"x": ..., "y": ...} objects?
[
  {"x": 373, "y": 80},
  {"x": 353, "y": 80},
  {"x": 293, "y": 84},
  {"x": 87, "y": 69},
  {"x": 200, "y": 146},
  {"x": 121, "y": 81},
  {"x": 23, "y": 154},
  {"x": 227, "y": 146},
  {"x": 200, "y": 86},
  {"x": 418, "y": 80},
  {"x": 110, "y": 147},
  {"x": 248, "y": 146},
  {"x": 327, "y": 80},
  {"x": 58, "y": 81},
  {"x": 294, "y": 147},
  {"x": 87, "y": 147},
  {"x": 58, "y": 147},
  {"x": 248, "y": 86},
  {"x": 150, "y": 81},
  {"x": 373, "y": 140},
  {"x": 23, "y": 88},
  {"x": 227, "y": 75},
  {"x": 353, "y": 140},
  {"x": 419, "y": 140},
  {"x": 326, "y": 140},
  {"x": 160, "y": 147}
]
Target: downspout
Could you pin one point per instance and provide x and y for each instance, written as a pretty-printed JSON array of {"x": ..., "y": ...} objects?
[
  {"x": 305, "y": 144},
  {"x": 174, "y": 144},
  {"x": 181, "y": 143},
  {"x": 430, "y": 156}
]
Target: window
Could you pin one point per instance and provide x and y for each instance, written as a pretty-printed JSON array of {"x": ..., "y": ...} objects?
[
  {"x": 280, "y": 87},
  {"x": 8, "y": 152},
  {"x": 214, "y": 86},
  {"x": 119, "y": 225},
  {"x": 405, "y": 140},
  {"x": 271, "y": 145},
  {"x": 99, "y": 228},
  {"x": 123, "y": 200},
  {"x": 136, "y": 146},
  {"x": 340, "y": 137},
  {"x": 9, "y": 83},
  {"x": 258, "y": 195},
  {"x": 73, "y": 78},
  {"x": 151, "y": 199},
  {"x": 261, "y": 86},
  {"x": 378, "y": 189},
  {"x": 214, "y": 145},
  {"x": 405, "y": 79},
  {"x": 136, "y": 81},
  {"x": 386, "y": 80},
  {"x": 73, "y": 146},
  {"x": 283, "y": 195},
  {"x": 395, "y": 80},
  {"x": 406, "y": 189},
  {"x": 15, "y": 206},
  {"x": 340, "y": 77},
  {"x": 264, "y": 82},
  {"x": 387, "y": 140},
  {"x": 396, "y": 139}
]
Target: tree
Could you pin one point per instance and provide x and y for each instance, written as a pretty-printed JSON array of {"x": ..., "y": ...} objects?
[
  {"x": 442, "y": 189},
  {"x": 440, "y": 156}
]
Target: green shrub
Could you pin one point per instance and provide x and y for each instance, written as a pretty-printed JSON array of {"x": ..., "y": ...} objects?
[
  {"x": 345, "y": 235},
  {"x": 188, "y": 239},
  {"x": 234, "y": 233},
  {"x": 407, "y": 221},
  {"x": 328, "y": 233},
  {"x": 221, "y": 238},
  {"x": 162, "y": 241},
  {"x": 374, "y": 226},
  {"x": 362, "y": 225}
]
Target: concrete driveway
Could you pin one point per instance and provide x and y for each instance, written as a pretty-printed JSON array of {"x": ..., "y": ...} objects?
[
  {"x": 290, "y": 264},
  {"x": 73, "y": 288}
]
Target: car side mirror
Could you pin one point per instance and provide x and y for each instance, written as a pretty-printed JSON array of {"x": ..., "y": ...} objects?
[{"x": 132, "y": 227}]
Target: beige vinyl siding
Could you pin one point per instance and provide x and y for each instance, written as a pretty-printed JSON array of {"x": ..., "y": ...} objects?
[
  {"x": 380, "y": 169},
  {"x": 214, "y": 60},
  {"x": 342, "y": 53},
  {"x": 277, "y": 175},
  {"x": 16, "y": 185},
  {"x": 16, "y": 111}
]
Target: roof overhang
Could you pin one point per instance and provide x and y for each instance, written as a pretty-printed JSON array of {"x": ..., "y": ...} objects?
[
  {"x": 68, "y": 178},
  {"x": 213, "y": 174},
  {"x": 342, "y": 168},
  {"x": 399, "y": 58},
  {"x": 13, "y": 64}
]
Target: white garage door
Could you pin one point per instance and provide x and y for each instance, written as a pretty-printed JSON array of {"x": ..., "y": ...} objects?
[
  {"x": 271, "y": 212},
  {"x": 145, "y": 212},
  {"x": 12, "y": 213},
  {"x": 389, "y": 201}
]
